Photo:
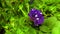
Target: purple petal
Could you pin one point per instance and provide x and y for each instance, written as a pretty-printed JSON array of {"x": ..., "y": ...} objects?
[
  {"x": 36, "y": 16},
  {"x": 38, "y": 21}
]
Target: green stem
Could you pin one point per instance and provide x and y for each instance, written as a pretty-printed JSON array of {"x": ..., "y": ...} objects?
[{"x": 24, "y": 13}]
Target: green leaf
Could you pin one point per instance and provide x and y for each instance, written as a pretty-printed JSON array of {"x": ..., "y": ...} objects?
[{"x": 56, "y": 29}]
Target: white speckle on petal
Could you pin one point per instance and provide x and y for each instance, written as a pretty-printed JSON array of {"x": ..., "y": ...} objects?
[
  {"x": 32, "y": 9},
  {"x": 40, "y": 13},
  {"x": 37, "y": 18},
  {"x": 36, "y": 15}
]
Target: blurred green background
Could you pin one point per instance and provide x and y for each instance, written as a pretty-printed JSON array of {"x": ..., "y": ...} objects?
[{"x": 14, "y": 17}]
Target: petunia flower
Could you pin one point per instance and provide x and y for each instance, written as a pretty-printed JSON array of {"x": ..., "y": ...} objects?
[{"x": 36, "y": 16}]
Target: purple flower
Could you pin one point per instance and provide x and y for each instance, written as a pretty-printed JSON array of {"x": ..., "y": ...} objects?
[{"x": 36, "y": 16}]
